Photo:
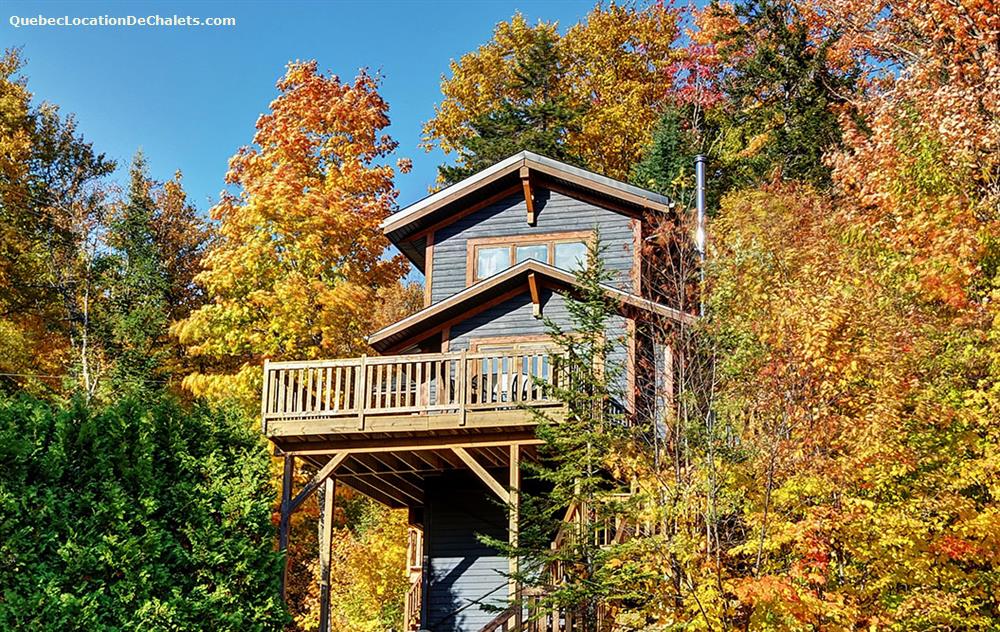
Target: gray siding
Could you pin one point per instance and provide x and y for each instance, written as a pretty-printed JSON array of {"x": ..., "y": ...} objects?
[
  {"x": 461, "y": 571},
  {"x": 558, "y": 213}
]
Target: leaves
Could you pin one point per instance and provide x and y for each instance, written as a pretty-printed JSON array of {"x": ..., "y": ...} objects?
[
  {"x": 298, "y": 257},
  {"x": 604, "y": 87}
]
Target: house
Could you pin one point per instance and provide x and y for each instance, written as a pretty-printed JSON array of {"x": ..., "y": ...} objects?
[{"x": 435, "y": 423}]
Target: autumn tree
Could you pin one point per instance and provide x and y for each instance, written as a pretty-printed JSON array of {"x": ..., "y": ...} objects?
[
  {"x": 137, "y": 283},
  {"x": 604, "y": 82},
  {"x": 53, "y": 200},
  {"x": 298, "y": 256},
  {"x": 181, "y": 236}
]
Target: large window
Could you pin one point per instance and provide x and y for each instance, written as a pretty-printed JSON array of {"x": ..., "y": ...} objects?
[{"x": 567, "y": 251}]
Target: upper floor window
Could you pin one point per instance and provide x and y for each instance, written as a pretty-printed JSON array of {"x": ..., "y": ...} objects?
[{"x": 567, "y": 251}]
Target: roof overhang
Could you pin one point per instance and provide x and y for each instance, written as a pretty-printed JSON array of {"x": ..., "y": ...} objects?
[
  {"x": 408, "y": 228},
  {"x": 526, "y": 276}
]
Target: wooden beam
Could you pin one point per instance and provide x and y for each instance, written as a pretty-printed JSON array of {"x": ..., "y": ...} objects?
[
  {"x": 323, "y": 473},
  {"x": 428, "y": 268},
  {"x": 387, "y": 479},
  {"x": 481, "y": 472},
  {"x": 513, "y": 525},
  {"x": 536, "y": 297},
  {"x": 529, "y": 200},
  {"x": 325, "y": 549},
  {"x": 286, "y": 514},
  {"x": 413, "y": 444}
]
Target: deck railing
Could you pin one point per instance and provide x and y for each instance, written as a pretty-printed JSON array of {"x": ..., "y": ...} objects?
[{"x": 398, "y": 385}]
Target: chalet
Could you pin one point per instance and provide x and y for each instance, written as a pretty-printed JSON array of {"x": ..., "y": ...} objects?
[{"x": 436, "y": 422}]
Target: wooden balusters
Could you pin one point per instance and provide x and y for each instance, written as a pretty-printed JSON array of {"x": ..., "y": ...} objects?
[{"x": 456, "y": 382}]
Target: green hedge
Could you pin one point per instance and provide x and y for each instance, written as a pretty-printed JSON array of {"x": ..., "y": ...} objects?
[{"x": 139, "y": 516}]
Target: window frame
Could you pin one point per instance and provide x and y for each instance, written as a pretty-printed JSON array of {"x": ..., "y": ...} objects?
[{"x": 512, "y": 242}]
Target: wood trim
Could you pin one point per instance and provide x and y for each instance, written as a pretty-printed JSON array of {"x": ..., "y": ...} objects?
[
  {"x": 457, "y": 195},
  {"x": 529, "y": 200},
  {"x": 636, "y": 271},
  {"x": 445, "y": 339},
  {"x": 428, "y": 268},
  {"x": 512, "y": 241},
  {"x": 536, "y": 300},
  {"x": 478, "y": 206},
  {"x": 475, "y": 343},
  {"x": 417, "y": 443},
  {"x": 631, "y": 363},
  {"x": 613, "y": 192}
]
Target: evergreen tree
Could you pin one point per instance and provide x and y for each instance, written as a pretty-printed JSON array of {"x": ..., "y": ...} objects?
[
  {"x": 781, "y": 92},
  {"x": 667, "y": 166},
  {"x": 537, "y": 118},
  {"x": 574, "y": 470},
  {"x": 138, "y": 285},
  {"x": 137, "y": 516}
]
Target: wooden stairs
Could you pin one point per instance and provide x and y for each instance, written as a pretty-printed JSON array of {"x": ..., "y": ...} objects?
[{"x": 533, "y": 613}]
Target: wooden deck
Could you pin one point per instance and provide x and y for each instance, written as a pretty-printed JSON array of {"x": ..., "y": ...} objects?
[{"x": 411, "y": 393}]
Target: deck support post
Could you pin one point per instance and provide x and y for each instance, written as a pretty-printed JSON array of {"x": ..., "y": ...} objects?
[
  {"x": 286, "y": 513},
  {"x": 513, "y": 526},
  {"x": 325, "y": 546}
]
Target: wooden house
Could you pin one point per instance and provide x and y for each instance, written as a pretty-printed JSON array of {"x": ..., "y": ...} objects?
[{"x": 435, "y": 423}]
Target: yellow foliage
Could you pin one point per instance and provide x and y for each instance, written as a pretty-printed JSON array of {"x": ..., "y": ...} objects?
[{"x": 615, "y": 68}]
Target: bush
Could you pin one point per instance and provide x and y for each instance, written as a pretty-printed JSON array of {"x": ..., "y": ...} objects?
[{"x": 142, "y": 515}]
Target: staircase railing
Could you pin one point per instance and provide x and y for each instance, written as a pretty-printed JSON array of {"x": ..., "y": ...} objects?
[{"x": 540, "y": 616}]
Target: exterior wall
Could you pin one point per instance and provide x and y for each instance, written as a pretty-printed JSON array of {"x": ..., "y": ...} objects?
[
  {"x": 556, "y": 213},
  {"x": 461, "y": 571},
  {"x": 514, "y": 318}
]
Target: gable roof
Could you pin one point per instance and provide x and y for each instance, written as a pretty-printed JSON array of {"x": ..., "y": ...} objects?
[
  {"x": 496, "y": 289},
  {"x": 407, "y": 227}
]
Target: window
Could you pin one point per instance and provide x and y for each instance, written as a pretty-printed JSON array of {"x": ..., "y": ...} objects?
[
  {"x": 567, "y": 251},
  {"x": 538, "y": 252},
  {"x": 571, "y": 255},
  {"x": 490, "y": 261}
]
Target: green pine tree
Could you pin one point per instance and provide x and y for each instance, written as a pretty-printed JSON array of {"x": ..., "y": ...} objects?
[
  {"x": 574, "y": 461},
  {"x": 139, "y": 515},
  {"x": 781, "y": 97},
  {"x": 138, "y": 286},
  {"x": 667, "y": 166},
  {"x": 538, "y": 118}
]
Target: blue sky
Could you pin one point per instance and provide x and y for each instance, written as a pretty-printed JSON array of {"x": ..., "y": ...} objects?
[{"x": 189, "y": 97}]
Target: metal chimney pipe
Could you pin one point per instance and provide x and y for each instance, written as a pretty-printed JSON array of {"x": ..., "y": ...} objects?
[{"x": 699, "y": 176}]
